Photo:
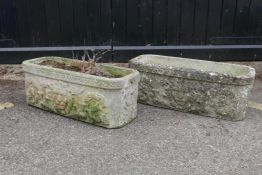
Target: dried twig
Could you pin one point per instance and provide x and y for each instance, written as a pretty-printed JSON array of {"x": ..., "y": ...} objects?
[{"x": 89, "y": 60}]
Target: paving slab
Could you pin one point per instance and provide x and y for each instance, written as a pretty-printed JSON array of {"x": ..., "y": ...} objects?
[{"x": 159, "y": 141}]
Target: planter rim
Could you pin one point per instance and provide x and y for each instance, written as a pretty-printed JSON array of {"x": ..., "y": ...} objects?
[
  {"x": 32, "y": 66},
  {"x": 166, "y": 65}
]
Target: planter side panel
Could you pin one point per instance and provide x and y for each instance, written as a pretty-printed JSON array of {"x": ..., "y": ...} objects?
[
  {"x": 101, "y": 107},
  {"x": 198, "y": 97}
]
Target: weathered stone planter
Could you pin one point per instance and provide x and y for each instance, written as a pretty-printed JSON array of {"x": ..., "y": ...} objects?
[
  {"x": 107, "y": 102},
  {"x": 206, "y": 88}
]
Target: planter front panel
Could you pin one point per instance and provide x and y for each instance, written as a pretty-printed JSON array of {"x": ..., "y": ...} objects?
[
  {"x": 106, "y": 107},
  {"x": 192, "y": 95}
]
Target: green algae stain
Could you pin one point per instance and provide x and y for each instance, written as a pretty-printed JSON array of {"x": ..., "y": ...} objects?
[
  {"x": 239, "y": 72},
  {"x": 116, "y": 72},
  {"x": 88, "y": 107}
]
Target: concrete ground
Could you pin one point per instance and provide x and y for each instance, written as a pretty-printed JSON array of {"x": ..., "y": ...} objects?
[{"x": 159, "y": 141}]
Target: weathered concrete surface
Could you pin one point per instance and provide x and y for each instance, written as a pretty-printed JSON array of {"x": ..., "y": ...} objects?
[
  {"x": 105, "y": 102},
  {"x": 205, "y": 88},
  {"x": 159, "y": 141}
]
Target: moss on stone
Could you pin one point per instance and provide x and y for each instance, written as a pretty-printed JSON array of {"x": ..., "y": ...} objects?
[
  {"x": 87, "y": 107},
  {"x": 116, "y": 72}
]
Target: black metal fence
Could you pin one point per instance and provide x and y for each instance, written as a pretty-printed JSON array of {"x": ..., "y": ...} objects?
[{"x": 45, "y": 23}]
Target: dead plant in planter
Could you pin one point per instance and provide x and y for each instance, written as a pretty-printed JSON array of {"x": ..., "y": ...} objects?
[{"x": 88, "y": 62}]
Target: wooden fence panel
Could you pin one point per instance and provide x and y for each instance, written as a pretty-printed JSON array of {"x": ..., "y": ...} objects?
[
  {"x": 133, "y": 26},
  {"x": 8, "y": 27},
  {"x": 146, "y": 22},
  {"x": 67, "y": 22},
  {"x": 255, "y": 18},
  {"x": 200, "y": 21},
  {"x": 242, "y": 18},
  {"x": 38, "y": 22},
  {"x": 187, "y": 22},
  {"x": 80, "y": 22},
  {"x": 106, "y": 23},
  {"x": 24, "y": 23},
  {"x": 228, "y": 17},
  {"x": 214, "y": 19},
  {"x": 128, "y": 22},
  {"x": 34, "y": 23},
  {"x": 119, "y": 22},
  {"x": 160, "y": 15},
  {"x": 94, "y": 21},
  {"x": 53, "y": 22},
  {"x": 173, "y": 22}
]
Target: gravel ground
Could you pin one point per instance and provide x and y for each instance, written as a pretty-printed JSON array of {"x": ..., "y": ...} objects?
[
  {"x": 11, "y": 72},
  {"x": 159, "y": 141}
]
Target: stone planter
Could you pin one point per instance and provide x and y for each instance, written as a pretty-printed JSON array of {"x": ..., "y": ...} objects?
[
  {"x": 205, "y": 88},
  {"x": 106, "y": 102}
]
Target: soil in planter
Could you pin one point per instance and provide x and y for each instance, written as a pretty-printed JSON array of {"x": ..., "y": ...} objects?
[{"x": 78, "y": 66}]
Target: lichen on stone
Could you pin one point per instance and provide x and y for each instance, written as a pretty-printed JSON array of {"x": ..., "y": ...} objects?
[
  {"x": 88, "y": 107},
  {"x": 198, "y": 97}
]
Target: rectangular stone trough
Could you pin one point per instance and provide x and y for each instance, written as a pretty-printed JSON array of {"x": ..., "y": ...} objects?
[
  {"x": 106, "y": 102},
  {"x": 205, "y": 88}
]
